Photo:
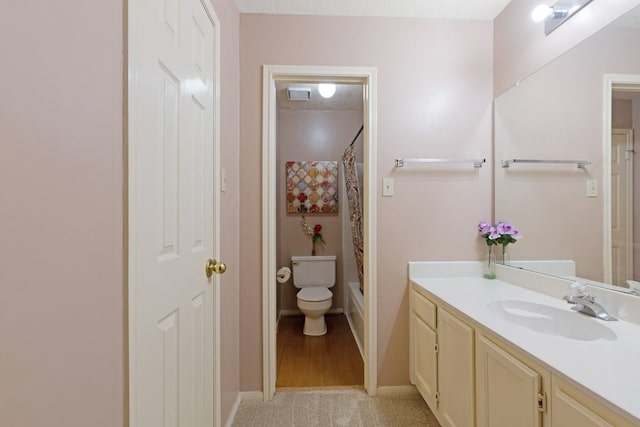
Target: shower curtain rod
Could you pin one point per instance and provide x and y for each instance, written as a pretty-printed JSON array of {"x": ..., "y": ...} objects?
[{"x": 357, "y": 135}]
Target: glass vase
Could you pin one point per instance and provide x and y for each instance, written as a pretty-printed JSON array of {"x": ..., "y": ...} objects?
[
  {"x": 505, "y": 256},
  {"x": 489, "y": 270},
  {"x": 313, "y": 248}
]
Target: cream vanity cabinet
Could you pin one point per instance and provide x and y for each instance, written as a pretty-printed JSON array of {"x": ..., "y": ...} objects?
[
  {"x": 442, "y": 361},
  {"x": 423, "y": 355},
  {"x": 510, "y": 390},
  {"x": 575, "y": 407},
  {"x": 471, "y": 377}
]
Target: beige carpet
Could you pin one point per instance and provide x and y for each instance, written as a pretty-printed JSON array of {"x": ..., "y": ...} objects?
[{"x": 324, "y": 408}]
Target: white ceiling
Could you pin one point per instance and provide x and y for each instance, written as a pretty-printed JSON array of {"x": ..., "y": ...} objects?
[
  {"x": 437, "y": 9},
  {"x": 346, "y": 98}
]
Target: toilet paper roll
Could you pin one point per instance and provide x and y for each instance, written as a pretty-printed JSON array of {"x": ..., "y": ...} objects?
[{"x": 283, "y": 274}]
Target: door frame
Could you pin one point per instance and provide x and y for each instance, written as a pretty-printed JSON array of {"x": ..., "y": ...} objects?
[
  {"x": 367, "y": 77},
  {"x": 628, "y": 214},
  {"x": 130, "y": 211},
  {"x": 610, "y": 80}
]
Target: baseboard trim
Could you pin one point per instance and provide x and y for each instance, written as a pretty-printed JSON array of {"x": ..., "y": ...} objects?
[
  {"x": 251, "y": 396},
  {"x": 400, "y": 390},
  {"x": 285, "y": 313},
  {"x": 234, "y": 411}
]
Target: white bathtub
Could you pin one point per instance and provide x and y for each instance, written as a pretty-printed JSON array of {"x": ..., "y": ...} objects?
[{"x": 355, "y": 314}]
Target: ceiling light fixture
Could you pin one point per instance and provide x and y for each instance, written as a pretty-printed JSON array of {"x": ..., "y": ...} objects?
[
  {"x": 556, "y": 15},
  {"x": 327, "y": 90},
  {"x": 541, "y": 12}
]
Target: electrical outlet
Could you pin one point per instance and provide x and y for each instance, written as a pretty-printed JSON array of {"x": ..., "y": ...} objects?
[
  {"x": 387, "y": 187},
  {"x": 592, "y": 188}
]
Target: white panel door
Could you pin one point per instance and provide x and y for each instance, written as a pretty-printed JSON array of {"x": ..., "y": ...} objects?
[
  {"x": 621, "y": 206},
  {"x": 173, "y": 214}
]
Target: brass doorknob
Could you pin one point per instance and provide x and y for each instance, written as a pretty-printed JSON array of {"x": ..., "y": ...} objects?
[{"x": 213, "y": 266}]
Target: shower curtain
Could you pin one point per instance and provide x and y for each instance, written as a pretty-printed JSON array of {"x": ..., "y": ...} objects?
[{"x": 355, "y": 209}]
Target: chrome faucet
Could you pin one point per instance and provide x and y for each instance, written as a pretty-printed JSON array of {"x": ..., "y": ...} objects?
[
  {"x": 634, "y": 286},
  {"x": 585, "y": 303}
]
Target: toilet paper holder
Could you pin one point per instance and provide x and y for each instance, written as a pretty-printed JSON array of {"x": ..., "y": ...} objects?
[{"x": 283, "y": 274}]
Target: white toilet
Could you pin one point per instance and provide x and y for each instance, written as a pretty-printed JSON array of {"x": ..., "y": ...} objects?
[{"x": 314, "y": 275}]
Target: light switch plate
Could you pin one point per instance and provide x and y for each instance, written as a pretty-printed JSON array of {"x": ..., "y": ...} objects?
[
  {"x": 224, "y": 182},
  {"x": 387, "y": 187}
]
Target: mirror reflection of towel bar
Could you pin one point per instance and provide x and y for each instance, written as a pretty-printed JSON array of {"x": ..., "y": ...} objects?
[
  {"x": 579, "y": 163},
  {"x": 477, "y": 163}
]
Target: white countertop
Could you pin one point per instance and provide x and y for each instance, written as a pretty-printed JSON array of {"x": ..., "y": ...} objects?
[{"x": 609, "y": 367}]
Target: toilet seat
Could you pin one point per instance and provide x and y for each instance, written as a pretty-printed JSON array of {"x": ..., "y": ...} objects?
[{"x": 315, "y": 294}]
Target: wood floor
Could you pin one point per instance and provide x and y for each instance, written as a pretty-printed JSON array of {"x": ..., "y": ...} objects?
[{"x": 328, "y": 360}]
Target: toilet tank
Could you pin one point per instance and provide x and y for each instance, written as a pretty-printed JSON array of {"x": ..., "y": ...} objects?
[{"x": 314, "y": 271}]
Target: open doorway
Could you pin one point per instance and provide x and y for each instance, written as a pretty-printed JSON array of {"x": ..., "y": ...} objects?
[
  {"x": 275, "y": 77},
  {"x": 622, "y": 201},
  {"x": 319, "y": 323}
]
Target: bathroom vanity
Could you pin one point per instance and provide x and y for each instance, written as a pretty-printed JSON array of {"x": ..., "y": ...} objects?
[{"x": 494, "y": 353}]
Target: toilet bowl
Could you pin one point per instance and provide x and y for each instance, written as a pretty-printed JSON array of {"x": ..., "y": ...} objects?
[
  {"x": 314, "y": 305},
  {"x": 314, "y": 275}
]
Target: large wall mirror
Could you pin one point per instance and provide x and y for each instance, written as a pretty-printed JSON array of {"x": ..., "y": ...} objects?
[{"x": 575, "y": 221}]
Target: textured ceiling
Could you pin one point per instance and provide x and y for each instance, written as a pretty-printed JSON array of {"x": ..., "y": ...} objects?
[{"x": 438, "y": 9}]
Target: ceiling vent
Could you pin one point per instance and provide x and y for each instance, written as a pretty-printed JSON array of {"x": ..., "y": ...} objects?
[{"x": 299, "y": 94}]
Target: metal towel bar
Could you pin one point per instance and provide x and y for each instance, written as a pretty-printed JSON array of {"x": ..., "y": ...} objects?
[
  {"x": 477, "y": 163},
  {"x": 580, "y": 163}
]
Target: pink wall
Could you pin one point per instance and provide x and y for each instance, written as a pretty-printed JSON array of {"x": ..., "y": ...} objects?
[
  {"x": 62, "y": 359},
  {"x": 434, "y": 100},
  {"x": 311, "y": 135},
  {"x": 62, "y": 308},
  {"x": 521, "y": 47},
  {"x": 230, "y": 203}
]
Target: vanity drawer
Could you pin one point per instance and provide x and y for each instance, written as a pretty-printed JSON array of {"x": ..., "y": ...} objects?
[{"x": 424, "y": 309}]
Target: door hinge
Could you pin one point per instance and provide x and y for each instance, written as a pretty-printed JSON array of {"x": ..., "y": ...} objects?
[
  {"x": 436, "y": 348},
  {"x": 437, "y": 396},
  {"x": 542, "y": 402}
]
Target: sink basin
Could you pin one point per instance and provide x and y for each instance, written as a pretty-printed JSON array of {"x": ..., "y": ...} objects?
[{"x": 550, "y": 320}]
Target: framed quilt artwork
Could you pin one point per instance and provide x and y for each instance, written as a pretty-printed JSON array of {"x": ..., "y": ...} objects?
[{"x": 312, "y": 187}]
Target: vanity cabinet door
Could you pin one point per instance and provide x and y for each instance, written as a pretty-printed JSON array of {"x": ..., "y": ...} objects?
[
  {"x": 572, "y": 407},
  {"x": 506, "y": 389},
  {"x": 425, "y": 361},
  {"x": 455, "y": 371}
]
